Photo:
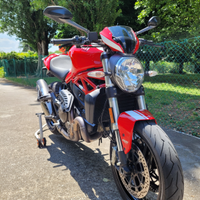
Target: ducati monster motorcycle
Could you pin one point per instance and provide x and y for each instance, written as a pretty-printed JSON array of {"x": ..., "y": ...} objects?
[{"x": 100, "y": 94}]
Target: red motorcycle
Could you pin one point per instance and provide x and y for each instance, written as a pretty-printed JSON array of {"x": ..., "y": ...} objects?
[{"x": 100, "y": 94}]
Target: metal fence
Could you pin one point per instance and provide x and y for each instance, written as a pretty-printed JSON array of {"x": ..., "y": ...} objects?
[
  {"x": 28, "y": 67},
  {"x": 173, "y": 96}
]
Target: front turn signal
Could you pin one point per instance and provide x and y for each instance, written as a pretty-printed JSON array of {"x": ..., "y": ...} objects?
[
  {"x": 151, "y": 73},
  {"x": 96, "y": 74}
]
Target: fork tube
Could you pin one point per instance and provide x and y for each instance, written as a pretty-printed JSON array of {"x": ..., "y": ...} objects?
[
  {"x": 141, "y": 102},
  {"x": 113, "y": 103}
]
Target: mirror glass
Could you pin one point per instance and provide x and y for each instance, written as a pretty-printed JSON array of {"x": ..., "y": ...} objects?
[
  {"x": 56, "y": 12},
  {"x": 154, "y": 21}
]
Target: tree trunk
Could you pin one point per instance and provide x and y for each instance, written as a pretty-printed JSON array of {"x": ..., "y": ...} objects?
[
  {"x": 42, "y": 51},
  {"x": 180, "y": 68},
  {"x": 147, "y": 65}
]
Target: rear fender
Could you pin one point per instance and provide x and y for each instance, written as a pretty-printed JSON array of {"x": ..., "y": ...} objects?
[{"x": 126, "y": 123}]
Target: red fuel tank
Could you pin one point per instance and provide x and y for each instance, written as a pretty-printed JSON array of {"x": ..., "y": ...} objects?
[{"x": 84, "y": 58}]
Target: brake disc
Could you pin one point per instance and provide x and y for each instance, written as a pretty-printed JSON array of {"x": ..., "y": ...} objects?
[{"x": 138, "y": 182}]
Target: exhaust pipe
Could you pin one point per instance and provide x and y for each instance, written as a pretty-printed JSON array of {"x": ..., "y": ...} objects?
[
  {"x": 78, "y": 131},
  {"x": 43, "y": 90},
  {"x": 80, "y": 124},
  {"x": 43, "y": 97},
  {"x": 63, "y": 132}
]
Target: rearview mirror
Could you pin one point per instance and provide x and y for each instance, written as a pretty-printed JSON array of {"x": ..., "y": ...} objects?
[
  {"x": 62, "y": 15},
  {"x": 154, "y": 21},
  {"x": 57, "y": 13}
]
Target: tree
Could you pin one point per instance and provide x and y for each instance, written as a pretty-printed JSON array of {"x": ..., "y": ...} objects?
[
  {"x": 129, "y": 15},
  {"x": 25, "y": 47},
  {"x": 179, "y": 18},
  {"x": 29, "y": 25}
]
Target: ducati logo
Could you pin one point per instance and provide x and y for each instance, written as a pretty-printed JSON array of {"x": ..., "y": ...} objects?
[{"x": 85, "y": 48}]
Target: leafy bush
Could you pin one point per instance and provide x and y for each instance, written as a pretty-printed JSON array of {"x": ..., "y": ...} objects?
[
  {"x": 164, "y": 67},
  {"x": 2, "y": 74},
  {"x": 17, "y": 56}
]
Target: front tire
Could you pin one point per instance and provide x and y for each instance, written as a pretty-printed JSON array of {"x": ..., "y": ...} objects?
[{"x": 164, "y": 168}]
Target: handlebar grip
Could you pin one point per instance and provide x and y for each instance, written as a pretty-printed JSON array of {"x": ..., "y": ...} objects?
[{"x": 62, "y": 41}]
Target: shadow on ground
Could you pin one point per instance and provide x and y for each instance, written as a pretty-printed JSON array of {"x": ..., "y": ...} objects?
[{"x": 88, "y": 167}]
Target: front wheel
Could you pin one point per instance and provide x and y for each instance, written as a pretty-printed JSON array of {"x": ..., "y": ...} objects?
[{"x": 155, "y": 169}]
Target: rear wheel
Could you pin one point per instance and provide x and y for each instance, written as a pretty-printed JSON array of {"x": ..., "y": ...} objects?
[
  {"x": 156, "y": 172},
  {"x": 55, "y": 87},
  {"x": 52, "y": 127}
]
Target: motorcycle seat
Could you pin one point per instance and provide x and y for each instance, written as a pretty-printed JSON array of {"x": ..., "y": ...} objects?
[{"x": 60, "y": 66}]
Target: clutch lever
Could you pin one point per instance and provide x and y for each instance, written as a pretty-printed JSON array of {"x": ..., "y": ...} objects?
[{"x": 150, "y": 43}]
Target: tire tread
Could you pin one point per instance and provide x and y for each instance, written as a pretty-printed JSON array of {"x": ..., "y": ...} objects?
[{"x": 170, "y": 162}]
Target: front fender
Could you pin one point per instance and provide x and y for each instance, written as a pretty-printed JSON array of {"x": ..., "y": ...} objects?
[{"x": 126, "y": 123}]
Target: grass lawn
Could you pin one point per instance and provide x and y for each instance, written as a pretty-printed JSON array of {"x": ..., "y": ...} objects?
[
  {"x": 176, "y": 103},
  {"x": 174, "y": 100},
  {"x": 32, "y": 81}
]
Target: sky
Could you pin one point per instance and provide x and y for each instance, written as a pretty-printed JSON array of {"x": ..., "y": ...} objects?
[{"x": 10, "y": 43}]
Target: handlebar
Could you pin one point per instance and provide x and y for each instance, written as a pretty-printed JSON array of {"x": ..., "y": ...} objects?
[
  {"x": 149, "y": 42},
  {"x": 62, "y": 41},
  {"x": 71, "y": 41}
]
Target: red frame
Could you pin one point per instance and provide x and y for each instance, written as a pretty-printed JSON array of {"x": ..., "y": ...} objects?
[
  {"x": 126, "y": 123},
  {"x": 84, "y": 78}
]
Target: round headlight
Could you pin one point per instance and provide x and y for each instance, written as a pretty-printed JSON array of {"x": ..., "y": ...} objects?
[{"x": 129, "y": 74}]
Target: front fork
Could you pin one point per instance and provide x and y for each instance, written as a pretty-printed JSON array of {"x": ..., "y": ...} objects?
[{"x": 113, "y": 104}]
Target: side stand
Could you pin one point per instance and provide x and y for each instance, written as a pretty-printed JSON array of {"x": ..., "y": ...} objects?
[{"x": 41, "y": 141}]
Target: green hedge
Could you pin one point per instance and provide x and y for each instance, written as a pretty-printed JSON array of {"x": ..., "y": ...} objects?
[{"x": 17, "y": 56}]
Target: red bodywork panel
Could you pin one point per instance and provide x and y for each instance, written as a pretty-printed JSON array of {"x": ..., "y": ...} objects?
[
  {"x": 83, "y": 59},
  {"x": 126, "y": 123},
  {"x": 48, "y": 59},
  {"x": 107, "y": 33},
  {"x": 137, "y": 44}
]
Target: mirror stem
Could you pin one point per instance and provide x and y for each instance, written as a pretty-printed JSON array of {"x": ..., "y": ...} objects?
[
  {"x": 144, "y": 30},
  {"x": 74, "y": 24}
]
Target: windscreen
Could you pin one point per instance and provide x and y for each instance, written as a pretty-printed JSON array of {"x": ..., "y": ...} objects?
[{"x": 124, "y": 35}]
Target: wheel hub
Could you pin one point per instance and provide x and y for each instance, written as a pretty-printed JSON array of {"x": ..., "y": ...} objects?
[{"x": 138, "y": 182}]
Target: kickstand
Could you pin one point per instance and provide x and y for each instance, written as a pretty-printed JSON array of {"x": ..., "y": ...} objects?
[{"x": 41, "y": 141}]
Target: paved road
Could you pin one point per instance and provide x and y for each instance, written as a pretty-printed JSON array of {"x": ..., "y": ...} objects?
[{"x": 64, "y": 170}]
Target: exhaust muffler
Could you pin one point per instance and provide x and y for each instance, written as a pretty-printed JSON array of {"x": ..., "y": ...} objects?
[{"x": 43, "y": 90}]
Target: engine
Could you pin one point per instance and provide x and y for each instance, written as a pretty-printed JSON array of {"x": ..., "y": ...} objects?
[{"x": 65, "y": 106}]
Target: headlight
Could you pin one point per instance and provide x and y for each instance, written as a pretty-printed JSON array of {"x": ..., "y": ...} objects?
[{"x": 129, "y": 74}]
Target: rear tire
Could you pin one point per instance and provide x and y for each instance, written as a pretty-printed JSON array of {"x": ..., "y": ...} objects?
[
  {"x": 55, "y": 87},
  {"x": 165, "y": 171},
  {"x": 51, "y": 127}
]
